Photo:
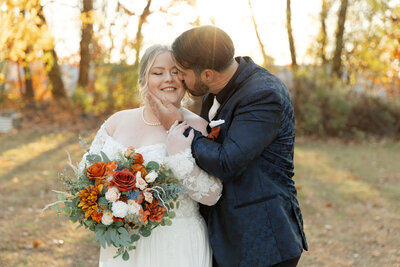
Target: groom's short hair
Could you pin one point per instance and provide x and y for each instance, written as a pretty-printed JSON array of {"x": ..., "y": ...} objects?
[{"x": 204, "y": 47}]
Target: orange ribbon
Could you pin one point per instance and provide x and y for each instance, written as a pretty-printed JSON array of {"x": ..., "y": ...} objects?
[{"x": 213, "y": 135}]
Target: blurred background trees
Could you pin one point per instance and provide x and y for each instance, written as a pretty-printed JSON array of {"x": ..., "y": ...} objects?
[{"x": 350, "y": 85}]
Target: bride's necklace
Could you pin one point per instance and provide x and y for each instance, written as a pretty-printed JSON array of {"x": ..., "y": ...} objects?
[{"x": 147, "y": 122}]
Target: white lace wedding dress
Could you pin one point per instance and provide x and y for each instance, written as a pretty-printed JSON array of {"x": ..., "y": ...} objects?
[{"x": 185, "y": 243}]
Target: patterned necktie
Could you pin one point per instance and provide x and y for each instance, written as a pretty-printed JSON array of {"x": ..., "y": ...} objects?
[{"x": 213, "y": 109}]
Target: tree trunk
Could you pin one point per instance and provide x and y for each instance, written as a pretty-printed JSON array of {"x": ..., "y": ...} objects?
[
  {"x": 29, "y": 94},
  {"x": 322, "y": 35},
  {"x": 337, "y": 59},
  {"x": 54, "y": 73},
  {"x": 290, "y": 35},
  {"x": 87, "y": 32},
  {"x": 52, "y": 68},
  {"x": 139, "y": 37},
  {"x": 264, "y": 54}
]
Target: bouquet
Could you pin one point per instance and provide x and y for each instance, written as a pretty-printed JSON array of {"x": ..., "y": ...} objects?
[{"x": 120, "y": 200}]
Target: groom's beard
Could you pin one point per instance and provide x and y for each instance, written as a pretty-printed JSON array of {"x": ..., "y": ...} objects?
[{"x": 199, "y": 89}]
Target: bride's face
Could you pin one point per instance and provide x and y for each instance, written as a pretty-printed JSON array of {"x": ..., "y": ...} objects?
[{"x": 163, "y": 79}]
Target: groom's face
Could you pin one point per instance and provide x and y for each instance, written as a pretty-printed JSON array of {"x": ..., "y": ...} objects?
[{"x": 192, "y": 82}]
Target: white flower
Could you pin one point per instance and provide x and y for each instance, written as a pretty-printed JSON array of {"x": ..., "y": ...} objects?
[
  {"x": 133, "y": 207},
  {"x": 120, "y": 209},
  {"x": 107, "y": 217},
  {"x": 151, "y": 177},
  {"x": 140, "y": 182},
  {"x": 113, "y": 194},
  {"x": 148, "y": 196},
  {"x": 216, "y": 123}
]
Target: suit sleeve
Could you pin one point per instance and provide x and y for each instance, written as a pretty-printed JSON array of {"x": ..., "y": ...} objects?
[{"x": 254, "y": 126}]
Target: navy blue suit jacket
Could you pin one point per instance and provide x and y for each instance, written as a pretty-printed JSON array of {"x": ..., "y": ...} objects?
[{"x": 257, "y": 221}]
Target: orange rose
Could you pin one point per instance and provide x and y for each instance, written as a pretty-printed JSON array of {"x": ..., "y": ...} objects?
[
  {"x": 96, "y": 216},
  {"x": 124, "y": 180},
  {"x": 143, "y": 215},
  {"x": 139, "y": 168},
  {"x": 156, "y": 211},
  {"x": 96, "y": 171},
  {"x": 139, "y": 159},
  {"x": 111, "y": 166}
]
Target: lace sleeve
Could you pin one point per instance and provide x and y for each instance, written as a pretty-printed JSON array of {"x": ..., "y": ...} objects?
[
  {"x": 96, "y": 146},
  {"x": 201, "y": 186}
]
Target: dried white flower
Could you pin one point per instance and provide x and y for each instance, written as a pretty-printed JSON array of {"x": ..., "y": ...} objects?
[
  {"x": 133, "y": 207},
  {"x": 148, "y": 196},
  {"x": 107, "y": 217},
  {"x": 112, "y": 194}
]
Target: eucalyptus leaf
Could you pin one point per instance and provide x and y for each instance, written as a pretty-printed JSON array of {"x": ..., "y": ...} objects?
[
  {"x": 123, "y": 231},
  {"x": 119, "y": 224},
  {"x": 57, "y": 207},
  {"x": 92, "y": 158},
  {"x": 88, "y": 223},
  {"x": 168, "y": 222},
  {"x": 103, "y": 201},
  {"x": 66, "y": 210},
  {"x": 104, "y": 156},
  {"x": 125, "y": 256},
  {"x": 135, "y": 237},
  {"x": 103, "y": 241},
  {"x": 112, "y": 233},
  {"x": 171, "y": 214},
  {"x": 145, "y": 232},
  {"x": 152, "y": 165},
  {"x": 61, "y": 197}
]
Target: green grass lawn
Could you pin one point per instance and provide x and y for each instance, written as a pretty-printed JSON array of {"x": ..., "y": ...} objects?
[{"x": 349, "y": 194}]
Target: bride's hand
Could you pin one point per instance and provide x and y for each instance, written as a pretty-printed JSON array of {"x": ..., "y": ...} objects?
[{"x": 176, "y": 141}]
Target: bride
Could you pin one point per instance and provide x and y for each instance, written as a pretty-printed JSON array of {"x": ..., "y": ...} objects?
[{"x": 185, "y": 243}]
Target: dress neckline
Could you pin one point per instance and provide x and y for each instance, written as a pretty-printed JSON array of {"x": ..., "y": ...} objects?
[{"x": 125, "y": 146}]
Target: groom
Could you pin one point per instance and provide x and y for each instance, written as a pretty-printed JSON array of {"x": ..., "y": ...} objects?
[{"x": 257, "y": 221}]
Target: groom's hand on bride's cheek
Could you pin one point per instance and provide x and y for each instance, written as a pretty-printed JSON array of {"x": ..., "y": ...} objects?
[{"x": 165, "y": 111}]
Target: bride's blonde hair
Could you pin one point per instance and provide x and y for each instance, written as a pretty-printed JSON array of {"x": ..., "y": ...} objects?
[{"x": 145, "y": 64}]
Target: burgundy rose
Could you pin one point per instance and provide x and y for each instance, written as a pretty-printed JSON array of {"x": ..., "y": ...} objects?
[{"x": 124, "y": 180}]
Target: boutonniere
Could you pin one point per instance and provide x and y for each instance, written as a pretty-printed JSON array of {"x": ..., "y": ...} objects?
[{"x": 213, "y": 135}]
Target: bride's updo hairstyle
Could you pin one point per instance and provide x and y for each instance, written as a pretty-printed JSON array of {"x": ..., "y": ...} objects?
[{"x": 145, "y": 64}]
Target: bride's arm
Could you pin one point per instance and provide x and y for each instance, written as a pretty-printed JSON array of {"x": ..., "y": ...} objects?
[
  {"x": 96, "y": 146},
  {"x": 201, "y": 186},
  {"x": 105, "y": 130}
]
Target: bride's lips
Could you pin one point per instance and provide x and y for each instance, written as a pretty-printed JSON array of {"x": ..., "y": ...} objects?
[{"x": 168, "y": 89}]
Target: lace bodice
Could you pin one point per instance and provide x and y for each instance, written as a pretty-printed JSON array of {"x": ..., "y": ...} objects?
[{"x": 201, "y": 187}]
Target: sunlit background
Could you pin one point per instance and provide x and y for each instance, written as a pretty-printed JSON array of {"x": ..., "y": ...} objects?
[{"x": 234, "y": 17}]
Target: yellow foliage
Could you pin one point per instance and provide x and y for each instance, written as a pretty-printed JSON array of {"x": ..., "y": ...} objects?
[
  {"x": 23, "y": 35},
  {"x": 90, "y": 17}
]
